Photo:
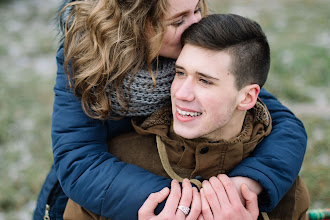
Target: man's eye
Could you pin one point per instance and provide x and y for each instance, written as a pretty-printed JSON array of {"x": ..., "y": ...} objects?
[
  {"x": 205, "y": 81},
  {"x": 179, "y": 73}
]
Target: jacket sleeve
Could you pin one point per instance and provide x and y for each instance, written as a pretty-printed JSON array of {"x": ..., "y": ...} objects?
[
  {"x": 88, "y": 174},
  {"x": 277, "y": 160}
]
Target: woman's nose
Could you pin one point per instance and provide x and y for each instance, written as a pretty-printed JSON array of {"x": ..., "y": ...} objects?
[{"x": 196, "y": 18}]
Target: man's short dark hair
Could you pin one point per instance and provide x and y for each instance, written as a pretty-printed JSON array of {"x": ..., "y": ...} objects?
[{"x": 242, "y": 38}]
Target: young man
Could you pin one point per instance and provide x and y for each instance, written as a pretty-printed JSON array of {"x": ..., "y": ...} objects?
[{"x": 216, "y": 119}]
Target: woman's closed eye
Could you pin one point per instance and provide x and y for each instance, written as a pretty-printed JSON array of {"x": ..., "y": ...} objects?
[
  {"x": 181, "y": 21},
  {"x": 198, "y": 10},
  {"x": 178, "y": 23}
]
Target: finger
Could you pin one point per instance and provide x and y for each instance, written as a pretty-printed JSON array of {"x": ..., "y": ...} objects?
[
  {"x": 149, "y": 206},
  {"x": 251, "y": 201},
  {"x": 206, "y": 210},
  {"x": 230, "y": 189},
  {"x": 186, "y": 197},
  {"x": 196, "y": 205},
  {"x": 200, "y": 217},
  {"x": 220, "y": 192},
  {"x": 211, "y": 198},
  {"x": 174, "y": 198}
]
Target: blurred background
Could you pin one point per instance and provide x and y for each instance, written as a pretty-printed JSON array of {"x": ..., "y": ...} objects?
[{"x": 299, "y": 36}]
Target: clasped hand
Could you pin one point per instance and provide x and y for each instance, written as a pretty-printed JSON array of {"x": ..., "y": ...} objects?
[{"x": 218, "y": 199}]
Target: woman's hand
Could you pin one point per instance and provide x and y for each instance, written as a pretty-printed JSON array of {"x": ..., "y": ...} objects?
[
  {"x": 189, "y": 197},
  {"x": 220, "y": 200}
]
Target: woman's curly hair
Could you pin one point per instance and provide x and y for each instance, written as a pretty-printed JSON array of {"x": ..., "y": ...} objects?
[{"x": 104, "y": 40}]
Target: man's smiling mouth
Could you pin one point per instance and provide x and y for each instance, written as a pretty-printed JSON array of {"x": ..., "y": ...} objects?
[{"x": 188, "y": 114}]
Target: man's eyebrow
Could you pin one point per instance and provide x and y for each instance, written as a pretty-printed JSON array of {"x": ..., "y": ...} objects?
[
  {"x": 205, "y": 75},
  {"x": 182, "y": 13},
  {"x": 179, "y": 67}
]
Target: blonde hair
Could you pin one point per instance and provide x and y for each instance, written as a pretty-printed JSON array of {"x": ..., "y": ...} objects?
[{"x": 104, "y": 41}]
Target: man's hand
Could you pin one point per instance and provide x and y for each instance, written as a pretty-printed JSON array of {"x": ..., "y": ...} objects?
[
  {"x": 253, "y": 185},
  {"x": 190, "y": 197},
  {"x": 220, "y": 200}
]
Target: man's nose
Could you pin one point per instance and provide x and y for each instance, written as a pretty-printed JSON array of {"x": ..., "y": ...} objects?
[{"x": 185, "y": 91}]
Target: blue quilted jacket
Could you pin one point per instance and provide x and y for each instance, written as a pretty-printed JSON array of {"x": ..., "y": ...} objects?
[{"x": 98, "y": 181}]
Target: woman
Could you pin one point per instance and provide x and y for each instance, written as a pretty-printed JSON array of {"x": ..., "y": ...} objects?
[{"x": 114, "y": 55}]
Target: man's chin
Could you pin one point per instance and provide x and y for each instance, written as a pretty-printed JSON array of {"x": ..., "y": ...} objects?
[{"x": 185, "y": 133}]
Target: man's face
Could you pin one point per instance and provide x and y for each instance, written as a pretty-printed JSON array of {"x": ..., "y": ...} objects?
[{"x": 204, "y": 96}]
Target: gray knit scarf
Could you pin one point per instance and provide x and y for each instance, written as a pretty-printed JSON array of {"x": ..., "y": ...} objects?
[{"x": 144, "y": 98}]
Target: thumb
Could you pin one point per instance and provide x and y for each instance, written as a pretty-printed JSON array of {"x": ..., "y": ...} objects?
[
  {"x": 251, "y": 201},
  {"x": 147, "y": 209}
]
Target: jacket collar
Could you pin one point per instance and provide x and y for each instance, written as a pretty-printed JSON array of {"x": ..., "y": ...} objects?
[{"x": 257, "y": 121}]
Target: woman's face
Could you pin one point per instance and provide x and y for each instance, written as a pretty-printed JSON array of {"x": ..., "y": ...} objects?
[{"x": 181, "y": 14}]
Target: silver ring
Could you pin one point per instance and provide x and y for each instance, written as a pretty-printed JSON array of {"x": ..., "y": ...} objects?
[{"x": 184, "y": 209}]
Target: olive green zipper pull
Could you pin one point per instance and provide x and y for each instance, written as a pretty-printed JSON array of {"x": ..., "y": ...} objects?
[{"x": 46, "y": 216}]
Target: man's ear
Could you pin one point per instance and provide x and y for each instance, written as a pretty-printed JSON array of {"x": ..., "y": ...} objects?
[{"x": 248, "y": 97}]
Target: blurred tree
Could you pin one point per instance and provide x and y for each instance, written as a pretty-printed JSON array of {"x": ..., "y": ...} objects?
[{"x": 3, "y": 2}]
